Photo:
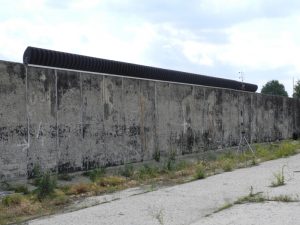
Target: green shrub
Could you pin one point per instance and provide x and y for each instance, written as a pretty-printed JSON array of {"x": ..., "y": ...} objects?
[
  {"x": 156, "y": 155},
  {"x": 181, "y": 165},
  {"x": 127, "y": 171},
  {"x": 12, "y": 200},
  {"x": 46, "y": 185},
  {"x": 96, "y": 174},
  {"x": 227, "y": 164},
  {"x": 148, "y": 171},
  {"x": 200, "y": 172},
  {"x": 170, "y": 165}
]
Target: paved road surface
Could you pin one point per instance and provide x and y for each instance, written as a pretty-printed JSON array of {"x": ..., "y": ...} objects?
[{"x": 190, "y": 203}]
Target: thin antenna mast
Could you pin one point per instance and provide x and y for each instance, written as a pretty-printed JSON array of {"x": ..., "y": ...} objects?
[
  {"x": 293, "y": 86},
  {"x": 243, "y": 139},
  {"x": 241, "y": 77}
]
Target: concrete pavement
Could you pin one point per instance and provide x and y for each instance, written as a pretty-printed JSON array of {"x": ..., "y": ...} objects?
[{"x": 190, "y": 203}]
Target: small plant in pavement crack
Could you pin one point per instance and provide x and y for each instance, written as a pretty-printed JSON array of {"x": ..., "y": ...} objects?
[{"x": 279, "y": 178}]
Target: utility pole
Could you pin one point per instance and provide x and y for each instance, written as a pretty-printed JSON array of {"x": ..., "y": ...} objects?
[{"x": 241, "y": 77}]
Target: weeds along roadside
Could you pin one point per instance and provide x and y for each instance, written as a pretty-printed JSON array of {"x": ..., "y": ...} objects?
[{"x": 49, "y": 196}]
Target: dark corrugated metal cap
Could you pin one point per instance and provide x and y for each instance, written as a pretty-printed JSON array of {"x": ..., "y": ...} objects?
[{"x": 45, "y": 57}]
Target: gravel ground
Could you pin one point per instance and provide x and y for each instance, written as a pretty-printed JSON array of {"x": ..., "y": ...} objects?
[{"x": 190, "y": 203}]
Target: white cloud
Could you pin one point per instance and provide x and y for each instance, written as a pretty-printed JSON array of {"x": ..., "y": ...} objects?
[
  {"x": 267, "y": 44},
  {"x": 200, "y": 53},
  {"x": 228, "y": 6},
  {"x": 263, "y": 44},
  {"x": 209, "y": 39},
  {"x": 94, "y": 36}
]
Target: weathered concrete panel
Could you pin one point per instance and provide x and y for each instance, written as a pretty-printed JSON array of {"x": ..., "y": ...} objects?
[
  {"x": 213, "y": 113},
  {"x": 68, "y": 121},
  {"x": 132, "y": 142},
  {"x": 41, "y": 95},
  {"x": 163, "y": 114},
  {"x": 197, "y": 108},
  {"x": 245, "y": 114},
  {"x": 181, "y": 139},
  {"x": 147, "y": 119},
  {"x": 230, "y": 119},
  {"x": 114, "y": 121},
  {"x": 93, "y": 131},
  {"x": 13, "y": 121}
]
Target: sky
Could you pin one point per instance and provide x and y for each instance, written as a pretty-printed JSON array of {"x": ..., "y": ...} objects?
[{"x": 224, "y": 38}]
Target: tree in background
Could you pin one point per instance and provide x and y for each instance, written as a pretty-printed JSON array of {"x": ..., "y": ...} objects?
[
  {"x": 273, "y": 87},
  {"x": 297, "y": 90}
]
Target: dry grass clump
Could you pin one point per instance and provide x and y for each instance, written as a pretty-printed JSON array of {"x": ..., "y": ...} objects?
[
  {"x": 15, "y": 207},
  {"x": 110, "y": 181},
  {"x": 79, "y": 188},
  {"x": 48, "y": 197},
  {"x": 59, "y": 198}
]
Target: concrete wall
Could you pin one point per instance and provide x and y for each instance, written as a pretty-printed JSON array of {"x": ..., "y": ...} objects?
[{"x": 69, "y": 121}]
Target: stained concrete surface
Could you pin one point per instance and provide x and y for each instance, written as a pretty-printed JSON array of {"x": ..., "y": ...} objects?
[
  {"x": 190, "y": 203},
  {"x": 249, "y": 214},
  {"x": 68, "y": 121}
]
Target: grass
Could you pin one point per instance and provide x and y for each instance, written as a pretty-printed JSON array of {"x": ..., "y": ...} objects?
[
  {"x": 156, "y": 155},
  {"x": 254, "y": 161},
  {"x": 224, "y": 207},
  {"x": 283, "y": 198},
  {"x": 279, "y": 179},
  {"x": 46, "y": 185},
  {"x": 127, "y": 171},
  {"x": 276, "y": 150},
  {"x": 16, "y": 208},
  {"x": 49, "y": 198},
  {"x": 159, "y": 216},
  {"x": 111, "y": 181},
  {"x": 200, "y": 172},
  {"x": 95, "y": 174},
  {"x": 60, "y": 198},
  {"x": 285, "y": 149},
  {"x": 147, "y": 172},
  {"x": 227, "y": 164},
  {"x": 12, "y": 200},
  {"x": 256, "y": 198},
  {"x": 65, "y": 177},
  {"x": 78, "y": 189}
]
